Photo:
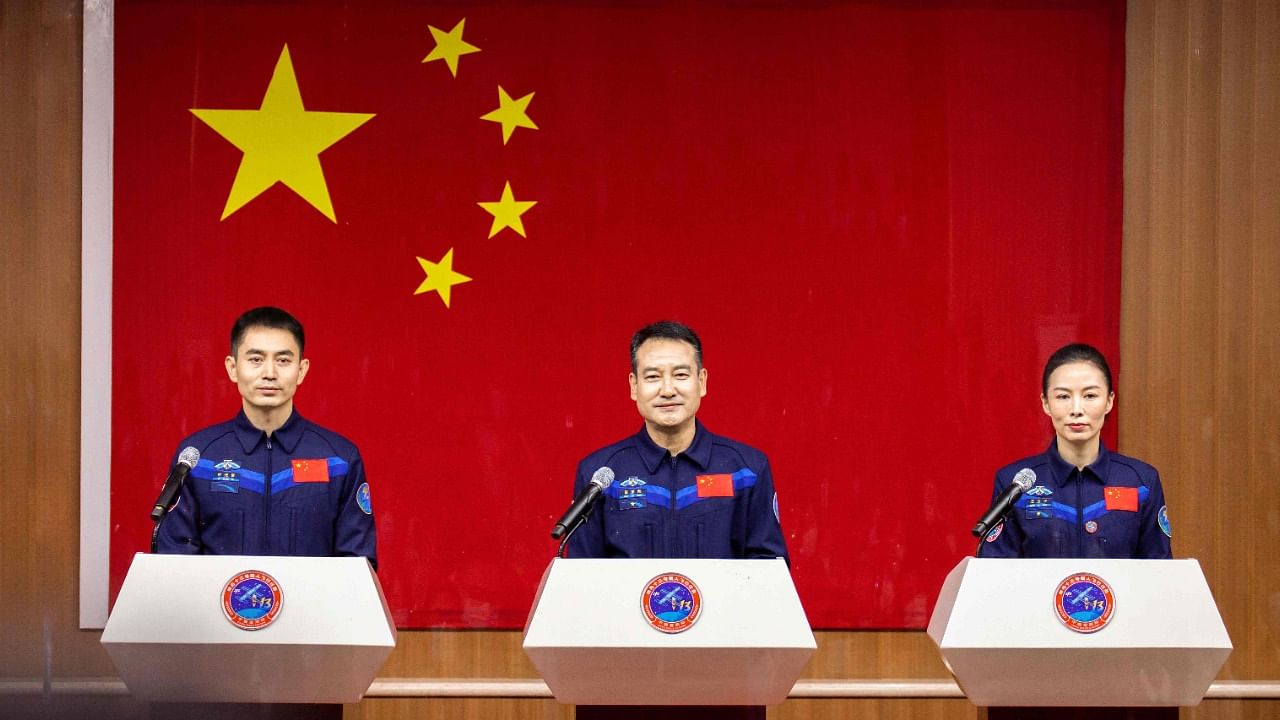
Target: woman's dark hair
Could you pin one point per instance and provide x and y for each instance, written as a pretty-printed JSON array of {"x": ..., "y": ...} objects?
[{"x": 1075, "y": 352}]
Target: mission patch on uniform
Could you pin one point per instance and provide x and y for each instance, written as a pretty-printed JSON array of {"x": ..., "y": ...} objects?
[
  {"x": 1163, "y": 518},
  {"x": 363, "y": 500},
  {"x": 1084, "y": 602},
  {"x": 1091, "y": 527},
  {"x": 251, "y": 600},
  {"x": 671, "y": 603}
]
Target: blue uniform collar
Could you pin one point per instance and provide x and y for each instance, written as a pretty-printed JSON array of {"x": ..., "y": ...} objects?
[
  {"x": 287, "y": 435},
  {"x": 1062, "y": 469},
  {"x": 699, "y": 451}
]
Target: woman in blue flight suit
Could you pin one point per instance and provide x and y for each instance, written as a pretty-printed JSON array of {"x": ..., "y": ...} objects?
[{"x": 1087, "y": 501}]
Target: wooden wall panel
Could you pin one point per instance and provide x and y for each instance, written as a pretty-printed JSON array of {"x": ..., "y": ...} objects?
[
  {"x": 871, "y": 655},
  {"x": 1201, "y": 302},
  {"x": 1198, "y": 397},
  {"x": 457, "y": 709},
  {"x": 497, "y": 654},
  {"x": 958, "y": 709},
  {"x": 459, "y": 654},
  {"x": 17, "y": 396},
  {"x": 40, "y": 315}
]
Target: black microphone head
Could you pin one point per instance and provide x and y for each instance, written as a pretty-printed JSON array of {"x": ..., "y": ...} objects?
[
  {"x": 189, "y": 456},
  {"x": 602, "y": 478},
  {"x": 1025, "y": 479}
]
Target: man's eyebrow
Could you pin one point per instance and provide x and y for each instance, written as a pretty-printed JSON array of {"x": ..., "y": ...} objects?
[
  {"x": 655, "y": 368},
  {"x": 256, "y": 351}
]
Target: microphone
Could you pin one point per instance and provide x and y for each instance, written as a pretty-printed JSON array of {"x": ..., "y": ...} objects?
[
  {"x": 581, "y": 507},
  {"x": 187, "y": 460},
  {"x": 1022, "y": 482}
]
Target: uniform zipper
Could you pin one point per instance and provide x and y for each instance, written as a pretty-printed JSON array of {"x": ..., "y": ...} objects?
[
  {"x": 673, "y": 532},
  {"x": 1079, "y": 513},
  {"x": 266, "y": 499}
]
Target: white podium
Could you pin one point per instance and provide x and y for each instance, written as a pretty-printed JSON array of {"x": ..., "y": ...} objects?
[
  {"x": 171, "y": 639},
  {"x": 998, "y": 629},
  {"x": 589, "y": 638}
]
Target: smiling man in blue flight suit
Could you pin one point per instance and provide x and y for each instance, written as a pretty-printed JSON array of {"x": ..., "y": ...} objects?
[
  {"x": 270, "y": 482},
  {"x": 679, "y": 490}
]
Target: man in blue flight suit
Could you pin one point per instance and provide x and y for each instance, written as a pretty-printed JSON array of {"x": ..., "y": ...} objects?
[
  {"x": 679, "y": 490},
  {"x": 270, "y": 482}
]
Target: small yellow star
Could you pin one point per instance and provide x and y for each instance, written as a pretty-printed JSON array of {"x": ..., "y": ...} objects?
[
  {"x": 441, "y": 277},
  {"x": 507, "y": 211},
  {"x": 511, "y": 113},
  {"x": 281, "y": 142},
  {"x": 450, "y": 46}
]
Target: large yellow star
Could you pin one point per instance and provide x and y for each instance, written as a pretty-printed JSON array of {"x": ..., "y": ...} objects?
[
  {"x": 511, "y": 113},
  {"x": 281, "y": 142},
  {"x": 450, "y": 46},
  {"x": 507, "y": 211},
  {"x": 441, "y": 276}
]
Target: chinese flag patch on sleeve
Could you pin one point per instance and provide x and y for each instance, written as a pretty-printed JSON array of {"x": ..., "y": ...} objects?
[
  {"x": 309, "y": 471},
  {"x": 715, "y": 485},
  {"x": 1121, "y": 498}
]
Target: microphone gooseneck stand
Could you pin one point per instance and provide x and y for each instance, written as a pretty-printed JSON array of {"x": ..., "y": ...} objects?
[
  {"x": 564, "y": 541},
  {"x": 155, "y": 533}
]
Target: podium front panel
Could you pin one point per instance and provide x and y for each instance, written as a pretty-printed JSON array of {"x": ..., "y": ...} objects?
[
  {"x": 999, "y": 633},
  {"x": 590, "y": 641},
  {"x": 171, "y": 640}
]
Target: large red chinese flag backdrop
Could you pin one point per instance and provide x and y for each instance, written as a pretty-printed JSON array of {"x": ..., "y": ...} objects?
[{"x": 881, "y": 219}]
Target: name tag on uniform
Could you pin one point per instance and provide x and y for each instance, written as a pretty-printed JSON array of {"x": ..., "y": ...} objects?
[
  {"x": 1039, "y": 508},
  {"x": 226, "y": 477},
  {"x": 311, "y": 471},
  {"x": 632, "y": 494}
]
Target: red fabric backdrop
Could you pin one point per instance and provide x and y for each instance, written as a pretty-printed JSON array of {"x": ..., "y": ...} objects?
[{"x": 880, "y": 218}]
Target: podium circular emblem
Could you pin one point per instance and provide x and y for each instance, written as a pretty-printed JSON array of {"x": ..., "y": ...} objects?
[
  {"x": 1084, "y": 602},
  {"x": 671, "y": 603},
  {"x": 251, "y": 600}
]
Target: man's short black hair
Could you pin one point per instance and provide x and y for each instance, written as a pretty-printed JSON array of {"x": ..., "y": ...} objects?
[
  {"x": 666, "y": 330},
  {"x": 268, "y": 317}
]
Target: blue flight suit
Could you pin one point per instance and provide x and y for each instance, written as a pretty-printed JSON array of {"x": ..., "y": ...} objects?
[
  {"x": 1067, "y": 513},
  {"x": 653, "y": 508},
  {"x": 243, "y": 498}
]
